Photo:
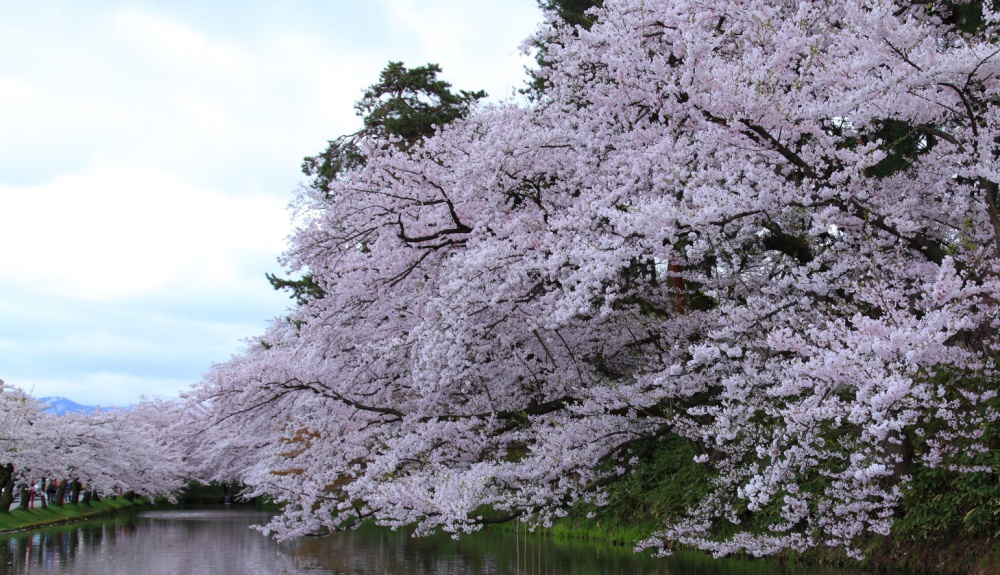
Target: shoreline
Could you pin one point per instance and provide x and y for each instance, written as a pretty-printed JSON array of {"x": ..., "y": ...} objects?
[
  {"x": 36, "y": 518},
  {"x": 953, "y": 556}
]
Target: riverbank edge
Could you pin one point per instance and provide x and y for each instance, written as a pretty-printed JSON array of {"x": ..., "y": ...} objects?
[
  {"x": 29, "y": 519},
  {"x": 961, "y": 556}
]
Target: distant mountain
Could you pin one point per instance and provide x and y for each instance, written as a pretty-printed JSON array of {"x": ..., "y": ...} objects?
[{"x": 62, "y": 406}]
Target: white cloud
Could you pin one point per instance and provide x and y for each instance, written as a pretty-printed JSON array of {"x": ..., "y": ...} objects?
[
  {"x": 118, "y": 232},
  {"x": 149, "y": 151},
  {"x": 476, "y": 43},
  {"x": 48, "y": 342},
  {"x": 177, "y": 48}
]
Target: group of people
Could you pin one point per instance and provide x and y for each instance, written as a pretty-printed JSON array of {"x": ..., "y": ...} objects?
[{"x": 50, "y": 489}]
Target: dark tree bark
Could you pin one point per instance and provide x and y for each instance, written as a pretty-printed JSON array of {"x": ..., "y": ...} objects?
[
  {"x": 25, "y": 498},
  {"x": 74, "y": 494},
  {"x": 6, "y": 487},
  {"x": 60, "y": 494},
  {"x": 129, "y": 496}
]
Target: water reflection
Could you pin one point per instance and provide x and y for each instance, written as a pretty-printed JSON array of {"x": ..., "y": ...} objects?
[
  {"x": 154, "y": 543},
  {"x": 373, "y": 550},
  {"x": 220, "y": 542}
]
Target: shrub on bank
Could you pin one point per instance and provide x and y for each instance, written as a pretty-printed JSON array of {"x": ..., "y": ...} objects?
[{"x": 947, "y": 525}]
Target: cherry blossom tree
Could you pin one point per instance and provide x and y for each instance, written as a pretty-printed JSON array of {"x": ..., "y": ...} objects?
[
  {"x": 117, "y": 451},
  {"x": 105, "y": 453},
  {"x": 17, "y": 412},
  {"x": 769, "y": 227}
]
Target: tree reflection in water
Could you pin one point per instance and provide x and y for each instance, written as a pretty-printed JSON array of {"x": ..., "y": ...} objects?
[
  {"x": 221, "y": 542},
  {"x": 378, "y": 550}
]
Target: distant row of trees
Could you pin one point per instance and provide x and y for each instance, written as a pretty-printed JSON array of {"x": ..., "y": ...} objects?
[{"x": 113, "y": 452}]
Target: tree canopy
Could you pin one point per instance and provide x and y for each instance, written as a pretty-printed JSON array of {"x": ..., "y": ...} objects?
[
  {"x": 768, "y": 228},
  {"x": 104, "y": 453}
]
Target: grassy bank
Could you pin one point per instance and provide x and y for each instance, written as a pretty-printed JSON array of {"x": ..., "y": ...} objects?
[
  {"x": 948, "y": 524},
  {"x": 20, "y": 519}
]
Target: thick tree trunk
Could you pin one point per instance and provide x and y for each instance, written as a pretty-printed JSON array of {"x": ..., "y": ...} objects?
[
  {"x": 6, "y": 487},
  {"x": 74, "y": 494},
  {"x": 87, "y": 496},
  {"x": 25, "y": 498},
  {"x": 60, "y": 495},
  {"x": 129, "y": 495},
  {"x": 992, "y": 191}
]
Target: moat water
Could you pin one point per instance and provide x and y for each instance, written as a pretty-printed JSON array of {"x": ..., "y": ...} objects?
[{"x": 220, "y": 541}]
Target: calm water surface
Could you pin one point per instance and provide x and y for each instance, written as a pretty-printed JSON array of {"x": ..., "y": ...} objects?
[{"x": 220, "y": 542}]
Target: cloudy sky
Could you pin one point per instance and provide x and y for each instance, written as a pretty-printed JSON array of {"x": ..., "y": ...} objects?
[{"x": 148, "y": 151}]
